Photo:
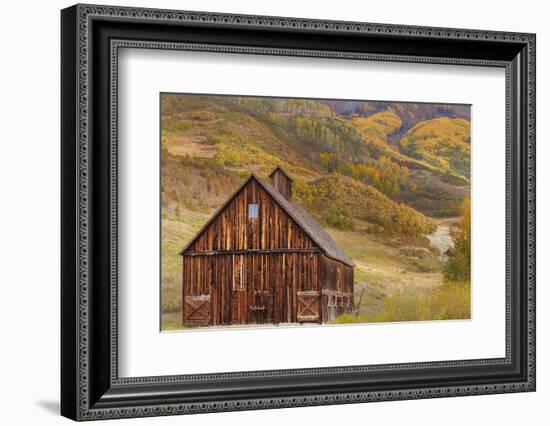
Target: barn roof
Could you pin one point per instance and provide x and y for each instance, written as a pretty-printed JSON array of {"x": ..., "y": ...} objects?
[
  {"x": 309, "y": 225},
  {"x": 298, "y": 214}
]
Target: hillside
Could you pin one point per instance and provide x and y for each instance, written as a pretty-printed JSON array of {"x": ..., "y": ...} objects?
[
  {"x": 443, "y": 142},
  {"x": 409, "y": 113},
  {"x": 310, "y": 139},
  {"x": 332, "y": 197},
  {"x": 212, "y": 149}
]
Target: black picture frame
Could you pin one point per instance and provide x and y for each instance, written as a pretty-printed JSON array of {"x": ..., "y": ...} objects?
[{"x": 90, "y": 386}]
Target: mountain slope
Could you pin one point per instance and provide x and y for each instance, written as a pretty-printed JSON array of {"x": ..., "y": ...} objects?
[
  {"x": 345, "y": 196},
  {"x": 218, "y": 130},
  {"x": 310, "y": 139},
  {"x": 409, "y": 113},
  {"x": 443, "y": 142}
]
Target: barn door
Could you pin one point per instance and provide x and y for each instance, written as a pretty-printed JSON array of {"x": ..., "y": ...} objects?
[
  {"x": 308, "y": 306},
  {"x": 196, "y": 311},
  {"x": 261, "y": 307}
]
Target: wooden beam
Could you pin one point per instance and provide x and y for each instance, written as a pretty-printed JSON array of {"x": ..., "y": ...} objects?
[{"x": 252, "y": 251}]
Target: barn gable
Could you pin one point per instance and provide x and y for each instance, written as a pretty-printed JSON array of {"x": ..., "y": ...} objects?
[
  {"x": 295, "y": 229},
  {"x": 251, "y": 219}
]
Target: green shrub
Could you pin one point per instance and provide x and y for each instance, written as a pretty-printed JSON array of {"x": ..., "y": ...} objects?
[
  {"x": 458, "y": 265},
  {"x": 338, "y": 218}
]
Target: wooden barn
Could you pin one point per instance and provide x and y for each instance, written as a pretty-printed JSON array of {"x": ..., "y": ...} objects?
[{"x": 262, "y": 259}]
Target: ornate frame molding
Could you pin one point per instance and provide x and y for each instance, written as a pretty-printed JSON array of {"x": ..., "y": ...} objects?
[{"x": 83, "y": 15}]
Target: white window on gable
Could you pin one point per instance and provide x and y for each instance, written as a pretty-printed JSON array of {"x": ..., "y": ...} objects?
[{"x": 252, "y": 211}]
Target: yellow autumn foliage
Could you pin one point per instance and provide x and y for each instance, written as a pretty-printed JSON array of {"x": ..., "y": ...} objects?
[
  {"x": 376, "y": 127},
  {"x": 443, "y": 142}
]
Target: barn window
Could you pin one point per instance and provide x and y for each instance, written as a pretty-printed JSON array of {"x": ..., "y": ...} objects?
[{"x": 252, "y": 211}]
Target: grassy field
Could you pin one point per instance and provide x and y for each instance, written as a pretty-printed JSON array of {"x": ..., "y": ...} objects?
[
  {"x": 401, "y": 283},
  {"x": 177, "y": 228}
]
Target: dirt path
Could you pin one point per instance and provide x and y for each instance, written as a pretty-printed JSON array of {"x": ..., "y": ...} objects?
[{"x": 441, "y": 238}]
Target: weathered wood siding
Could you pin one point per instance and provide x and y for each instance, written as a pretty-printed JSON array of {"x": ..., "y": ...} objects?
[
  {"x": 249, "y": 288},
  {"x": 336, "y": 281},
  {"x": 232, "y": 230}
]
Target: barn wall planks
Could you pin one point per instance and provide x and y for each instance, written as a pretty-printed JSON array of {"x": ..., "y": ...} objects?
[
  {"x": 233, "y": 230},
  {"x": 251, "y": 288},
  {"x": 337, "y": 288}
]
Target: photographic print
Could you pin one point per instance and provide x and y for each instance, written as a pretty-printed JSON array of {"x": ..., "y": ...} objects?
[{"x": 291, "y": 211}]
